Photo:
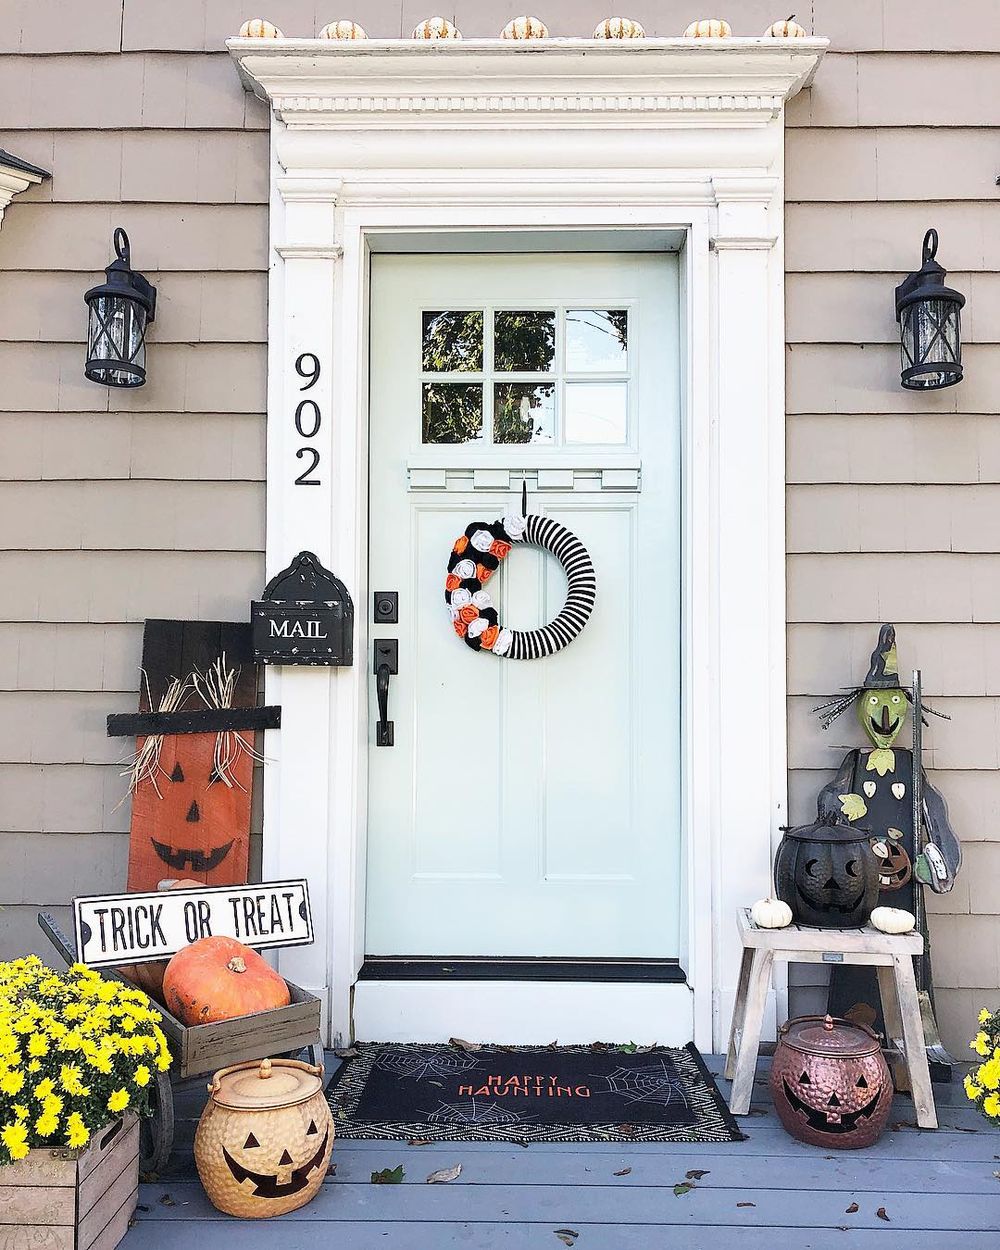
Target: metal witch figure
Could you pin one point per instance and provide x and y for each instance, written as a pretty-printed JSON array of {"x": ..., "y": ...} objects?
[{"x": 885, "y": 789}]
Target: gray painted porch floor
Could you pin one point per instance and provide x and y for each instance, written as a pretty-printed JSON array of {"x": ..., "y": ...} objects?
[{"x": 939, "y": 1190}]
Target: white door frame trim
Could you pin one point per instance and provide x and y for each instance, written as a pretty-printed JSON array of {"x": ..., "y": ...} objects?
[{"x": 390, "y": 139}]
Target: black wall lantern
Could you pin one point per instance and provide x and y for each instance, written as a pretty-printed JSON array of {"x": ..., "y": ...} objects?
[
  {"x": 120, "y": 310},
  {"x": 930, "y": 326}
]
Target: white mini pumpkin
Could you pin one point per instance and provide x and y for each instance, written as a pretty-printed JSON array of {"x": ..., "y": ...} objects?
[
  {"x": 258, "y": 28},
  {"x": 525, "y": 28},
  {"x": 893, "y": 920},
  {"x": 343, "y": 30},
  {"x": 771, "y": 913},
  {"x": 786, "y": 30},
  {"x": 709, "y": 28},
  {"x": 436, "y": 28},
  {"x": 619, "y": 28}
]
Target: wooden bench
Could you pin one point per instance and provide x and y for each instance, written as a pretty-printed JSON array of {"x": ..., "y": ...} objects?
[{"x": 892, "y": 956}]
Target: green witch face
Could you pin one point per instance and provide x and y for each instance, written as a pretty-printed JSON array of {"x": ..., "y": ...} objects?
[{"x": 881, "y": 714}]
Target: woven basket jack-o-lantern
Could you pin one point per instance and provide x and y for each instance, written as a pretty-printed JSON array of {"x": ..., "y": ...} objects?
[
  {"x": 264, "y": 1139},
  {"x": 830, "y": 1083}
]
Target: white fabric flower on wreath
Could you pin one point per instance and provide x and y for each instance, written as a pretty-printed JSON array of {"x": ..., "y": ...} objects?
[
  {"x": 514, "y": 524},
  {"x": 477, "y": 626},
  {"x": 461, "y": 597},
  {"x": 482, "y": 540},
  {"x": 502, "y": 644},
  {"x": 465, "y": 569},
  {"x": 481, "y": 599}
]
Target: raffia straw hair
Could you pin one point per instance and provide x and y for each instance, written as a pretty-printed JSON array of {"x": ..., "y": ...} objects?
[
  {"x": 145, "y": 764},
  {"x": 216, "y": 689}
]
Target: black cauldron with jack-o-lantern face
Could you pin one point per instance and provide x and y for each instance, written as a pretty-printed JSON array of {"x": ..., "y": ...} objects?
[
  {"x": 828, "y": 874},
  {"x": 264, "y": 1139},
  {"x": 830, "y": 1082}
]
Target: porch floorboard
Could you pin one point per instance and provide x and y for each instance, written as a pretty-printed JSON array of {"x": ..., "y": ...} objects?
[{"x": 931, "y": 1185}]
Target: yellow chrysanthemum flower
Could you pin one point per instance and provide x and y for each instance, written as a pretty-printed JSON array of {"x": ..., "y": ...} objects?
[
  {"x": 991, "y": 1105},
  {"x": 44, "y": 1089},
  {"x": 15, "y": 1138},
  {"x": 980, "y": 1044},
  {"x": 972, "y": 1090},
  {"x": 988, "y": 1074},
  {"x": 142, "y": 1075},
  {"x": 21, "y": 1111},
  {"x": 119, "y": 1100},
  {"x": 12, "y": 1082},
  {"x": 46, "y": 1124},
  {"x": 34, "y": 1065},
  {"x": 77, "y": 1133},
  {"x": 984, "y": 1015},
  {"x": 38, "y": 1045}
]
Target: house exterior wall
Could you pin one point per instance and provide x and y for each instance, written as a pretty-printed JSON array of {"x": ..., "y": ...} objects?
[{"x": 119, "y": 506}]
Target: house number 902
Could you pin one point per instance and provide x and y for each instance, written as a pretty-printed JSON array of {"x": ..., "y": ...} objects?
[{"x": 308, "y": 419}]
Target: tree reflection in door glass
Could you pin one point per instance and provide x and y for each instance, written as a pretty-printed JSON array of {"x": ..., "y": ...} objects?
[
  {"x": 524, "y": 342},
  {"x": 452, "y": 412},
  {"x": 523, "y": 412},
  {"x": 596, "y": 340},
  {"x": 452, "y": 342}
]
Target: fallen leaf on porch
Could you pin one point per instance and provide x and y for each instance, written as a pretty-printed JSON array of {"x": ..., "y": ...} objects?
[
  {"x": 628, "y": 1048},
  {"x": 389, "y": 1176},
  {"x": 746, "y": 1204},
  {"x": 852, "y": 1209},
  {"x": 625, "y": 1172},
  {"x": 882, "y": 1215},
  {"x": 695, "y": 1174},
  {"x": 597, "y": 1047},
  {"x": 566, "y": 1239},
  {"x": 967, "y": 1130},
  {"x": 139, "y": 1207},
  {"x": 682, "y": 1188},
  {"x": 349, "y": 1052},
  {"x": 167, "y": 1201},
  {"x": 757, "y": 1111},
  {"x": 900, "y": 1124},
  {"x": 443, "y": 1175},
  {"x": 419, "y": 1141},
  {"x": 553, "y": 1045},
  {"x": 332, "y": 1170},
  {"x": 997, "y": 1175},
  {"x": 460, "y": 1044},
  {"x": 566, "y": 1232},
  {"x": 627, "y": 1129}
]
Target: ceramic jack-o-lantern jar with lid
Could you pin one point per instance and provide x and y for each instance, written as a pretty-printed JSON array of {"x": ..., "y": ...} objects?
[
  {"x": 264, "y": 1139},
  {"x": 830, "y": 1082}
]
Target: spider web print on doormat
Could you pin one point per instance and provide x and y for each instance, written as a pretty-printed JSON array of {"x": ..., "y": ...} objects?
[{"x": 524, "y": 1094}]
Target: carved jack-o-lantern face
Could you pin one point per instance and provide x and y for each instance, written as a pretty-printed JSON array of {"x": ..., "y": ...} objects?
[
  {"x": 260, "y": 1163},
  {"x": 839, "y": 1100},
  {"x": 895, "y": 868},
  {"x": 197, "y": 826}
]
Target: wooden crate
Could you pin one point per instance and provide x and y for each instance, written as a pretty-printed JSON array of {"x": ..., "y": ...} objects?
[
  {"x": 202, "y": 1048},
  {"x": 59, "y": 1199}
]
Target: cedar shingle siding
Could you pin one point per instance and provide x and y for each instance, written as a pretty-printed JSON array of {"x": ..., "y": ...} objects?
[{"x": 124, "y": 506}]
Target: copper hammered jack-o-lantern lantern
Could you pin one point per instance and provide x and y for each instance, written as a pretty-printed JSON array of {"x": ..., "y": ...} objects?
[
  {"x": 828, "y": 874},
  {"x": 264, "y": 1140},
  {"x": 830, "y": 1083}
]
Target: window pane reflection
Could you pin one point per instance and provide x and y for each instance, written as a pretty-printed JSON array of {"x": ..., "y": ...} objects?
[
  {"x": 596, "y": 340},
  {"x": 452, "y": 412},
  {"x": 453, "y": 342},
  {"x": 523, "y": 412},
  {"x": 524, "y": 342},
  {"x": 596, "y": 412}
]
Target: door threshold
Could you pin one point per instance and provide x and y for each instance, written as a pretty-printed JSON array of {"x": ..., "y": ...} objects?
[{"x": 487, "y": 968}]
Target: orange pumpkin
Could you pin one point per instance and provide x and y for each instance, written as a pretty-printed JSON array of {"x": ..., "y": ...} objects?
[
  {"x": 218, "y": 978},
  {"x": 148, "y": 977}
]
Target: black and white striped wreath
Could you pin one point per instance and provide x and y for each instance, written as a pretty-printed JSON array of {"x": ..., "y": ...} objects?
[{"x": 477, "y": 555}]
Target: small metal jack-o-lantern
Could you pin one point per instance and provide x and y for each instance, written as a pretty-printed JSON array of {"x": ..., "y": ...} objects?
[
  {"x": 828, "y": 874},
  {"x": 830, "y": 1083},
  {"x": 264, "y": 1140}
]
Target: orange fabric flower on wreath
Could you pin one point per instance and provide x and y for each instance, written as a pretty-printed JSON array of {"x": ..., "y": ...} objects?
[
  {"x": 452, "y": 582},
  {"x": 468, "y": 614},
  {"x": 460, "y": 628},
  {"x": 499, "y": 548},
  {"x": 483, "y": 573},
  {"x": 489, "y": 636},
  {"x": 461, "y": 544}
]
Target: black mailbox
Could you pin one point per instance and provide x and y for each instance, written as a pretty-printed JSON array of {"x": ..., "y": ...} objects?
[{"x": 305, "y": 616}]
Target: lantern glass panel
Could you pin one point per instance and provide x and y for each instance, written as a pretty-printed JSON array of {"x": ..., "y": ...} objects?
[
  {"x": 116, "y": 346},
  {"x": 931, "y": 336}
]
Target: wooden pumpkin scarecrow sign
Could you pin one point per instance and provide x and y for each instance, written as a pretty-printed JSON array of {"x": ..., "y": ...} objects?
[
  {"x": 884, "y": 789},
  {"x": 191, "y": 776}
]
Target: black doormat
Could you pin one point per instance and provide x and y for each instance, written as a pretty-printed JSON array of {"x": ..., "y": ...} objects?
[{"x": 528, "y": 1094}]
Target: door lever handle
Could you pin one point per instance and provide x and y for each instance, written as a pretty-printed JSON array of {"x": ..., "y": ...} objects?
[{"x": 386, "y": 664}]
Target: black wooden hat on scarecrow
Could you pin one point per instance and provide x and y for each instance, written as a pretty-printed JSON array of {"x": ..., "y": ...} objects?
[{"x": 883, "y": 674}]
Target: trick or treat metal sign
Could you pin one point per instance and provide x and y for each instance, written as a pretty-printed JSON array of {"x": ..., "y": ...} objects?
[
  {"x": 305, "y": 616},
  {"x": 131, "y": 928}
]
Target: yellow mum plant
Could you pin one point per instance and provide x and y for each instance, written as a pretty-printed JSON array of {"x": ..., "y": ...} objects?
[
  {"x": 75, "y": 1051},
  {"x": 982, "y": 1085}
]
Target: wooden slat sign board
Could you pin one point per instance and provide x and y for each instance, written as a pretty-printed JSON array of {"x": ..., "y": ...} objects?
[{"x": 116, "y": 929}]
